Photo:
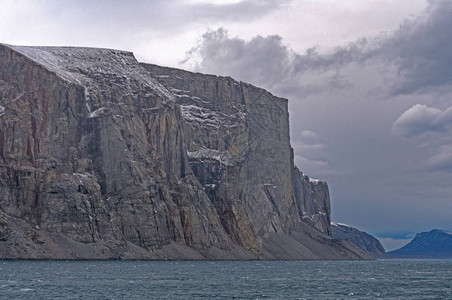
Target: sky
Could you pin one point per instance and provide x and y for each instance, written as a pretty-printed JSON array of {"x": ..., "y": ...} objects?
[{"x": 369, "y": 84}]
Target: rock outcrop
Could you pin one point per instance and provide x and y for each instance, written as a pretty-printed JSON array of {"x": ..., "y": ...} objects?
[
  {"x": 432, "y": 244},
  {"x": 363, "y": 240},
  {"x": 101, "y": 157}
]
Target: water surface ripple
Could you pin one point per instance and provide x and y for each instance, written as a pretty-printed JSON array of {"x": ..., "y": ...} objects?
[{"x": 384, "y": 279}]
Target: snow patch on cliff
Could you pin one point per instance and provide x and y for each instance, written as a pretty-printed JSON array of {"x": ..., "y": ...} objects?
[
  {"x": 340, "y": 224},
  {"x": 81, "y": 65},
  {"x": 209, "y": 118},
  {"x": 224, "y": 157},
  {"x": 97, "y": 112},
  {"x": 179, "y": 92},
  {"x": 313, "y": 180},
  {"x": 87, "y": 100}
]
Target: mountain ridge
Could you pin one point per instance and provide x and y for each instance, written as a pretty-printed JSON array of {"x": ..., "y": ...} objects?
[
  {"x": 363, "y": 240},
  {"x": 435, "y": 243}
]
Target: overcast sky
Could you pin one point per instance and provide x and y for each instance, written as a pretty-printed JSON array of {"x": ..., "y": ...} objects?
[{"x": 369, "y": 84}]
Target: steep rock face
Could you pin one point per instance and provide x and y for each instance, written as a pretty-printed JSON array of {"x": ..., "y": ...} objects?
[
  {"x": 99, "y": 160},
  {"x": 239, "y": 148},
  {"x": 432, "y": 244},
  {"x": 238, "y": 142},
  {"x": 92, "y": 148},
  {"x": 363, "y": 240},
  {"x": 313, "y": 201}
]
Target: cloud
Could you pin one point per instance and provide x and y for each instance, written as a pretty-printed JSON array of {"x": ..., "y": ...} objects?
[
  {"x": 158, "y": 31},
  {"x": 218, "y": 53},
  {"x": 421, "y": 119},
  {"x": 442, "y": 160},
  {"x": 307, "y": 164},
  {"x": 356, "y": 112},
  {"x": 308, "y": 136},
  {"x": 433, "y": 127},
  {"x": 268, "y": 62},
  {"x": 240, "y": 11},
  {"x": 391, "y": 244},
  {"x": 310, "y": 154},
  {"x": 309, "y": 147},
  {"x": 395, "y": 240},
  {"x": 141, "y": 15},
  {"x": 411, "y": 60},
  {"x": 422, "y": 50}
]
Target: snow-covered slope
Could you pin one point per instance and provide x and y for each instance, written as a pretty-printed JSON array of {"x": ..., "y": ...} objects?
[{"x": 82, "y": 65}]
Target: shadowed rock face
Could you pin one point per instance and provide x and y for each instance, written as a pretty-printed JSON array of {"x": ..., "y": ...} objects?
[
  {"x": 432, "y": 244},
  {"x": 101, "y": 157},
  {"x": 363, "y": 240}
]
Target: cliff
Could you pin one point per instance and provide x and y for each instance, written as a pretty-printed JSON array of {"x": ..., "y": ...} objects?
[
  {"x": 363, "y": 240},
  {"x": 432, "y": 244},
  {"x": 101, "y": 157}
]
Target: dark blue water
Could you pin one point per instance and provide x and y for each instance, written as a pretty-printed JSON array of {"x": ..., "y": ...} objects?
[{"x": 385, "y": 279}]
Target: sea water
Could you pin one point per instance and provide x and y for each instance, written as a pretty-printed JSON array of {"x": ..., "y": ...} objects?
[{"x": 382, "y": 279}]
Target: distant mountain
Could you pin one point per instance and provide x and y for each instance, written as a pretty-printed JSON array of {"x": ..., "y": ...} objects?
[
  {"x": 432, "y": 244},
  {"x": 363, "y": 240}
]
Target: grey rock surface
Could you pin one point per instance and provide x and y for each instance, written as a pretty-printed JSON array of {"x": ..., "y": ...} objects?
[
  {"x": 239, "y": 148},
  {"x": 101, "y": 157},
  {"x": 313, "y": 201},
  {"x": 363, "y": 240}
]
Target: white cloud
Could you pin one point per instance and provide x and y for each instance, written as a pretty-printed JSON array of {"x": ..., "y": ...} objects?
[
  {"x": 433, "y": 128},
  {"x": 417, "y": 120},
  {"x": 312, "y": 167},
  {"x": 310, "y": 154},
  {"x": 160, "y": 31},
  {"x": 308, "y": 135}
]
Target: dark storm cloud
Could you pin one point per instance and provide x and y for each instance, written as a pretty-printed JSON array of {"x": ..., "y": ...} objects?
[
  {"x": 422, "y": 49},
  {"x": 267, "y": 62},
  {"x": 264, "y": 60},
  {"x": 414, "y": 58}
]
